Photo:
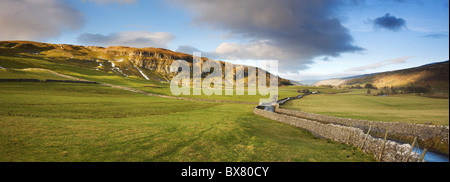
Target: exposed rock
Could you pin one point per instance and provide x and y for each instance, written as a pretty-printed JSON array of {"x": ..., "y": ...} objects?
[{"x": 152, "y": 62}]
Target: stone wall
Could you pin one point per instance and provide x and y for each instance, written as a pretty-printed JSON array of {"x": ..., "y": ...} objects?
[
  {"x": 71, "y": 81},
  {"x": 393, "y": 151},
  {"x": 37, "y": 80},
  {"x": 19, "y": 80},
  {"x": 429, "y": 136}
]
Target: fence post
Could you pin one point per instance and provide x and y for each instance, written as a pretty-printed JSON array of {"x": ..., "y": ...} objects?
[
  {"x": 423, "y": 155},
  {"x": 412, "y": 147},
  {"x": 365, "y": 138},
  {"x": 384, "y": 144},
  {"x": 349, "y": 133}
]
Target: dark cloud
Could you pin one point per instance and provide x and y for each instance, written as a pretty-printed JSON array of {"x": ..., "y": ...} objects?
[
  {"x": 37, "y": 20},
  {"x": 436, "y": 36},
  {"x": 291, "y": 31},
  {"x": 390, "y": 22},
  {"x": 131, "y": 39},
  {"x": 112, "y": 1},
  {"x": 385, "y": 2}
]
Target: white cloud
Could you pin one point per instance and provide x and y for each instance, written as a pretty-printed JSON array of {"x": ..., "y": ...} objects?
[
  {"x": 36, "y": 19},
  {"x": 253, "y": 50},
  {"x": 132, "y": 39},
  {"x": 380, "y": 64}
]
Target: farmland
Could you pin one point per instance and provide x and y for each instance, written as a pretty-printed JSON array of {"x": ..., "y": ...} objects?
[
  {"x": 82, "y": 122},
  {"x": 409, "y": 108}
]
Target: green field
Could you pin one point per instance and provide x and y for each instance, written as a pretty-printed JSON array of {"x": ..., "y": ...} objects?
[
  {"x": 396, "y": 108},
  {"x": 84, "y": 122}
]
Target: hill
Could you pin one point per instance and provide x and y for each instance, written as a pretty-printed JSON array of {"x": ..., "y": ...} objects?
[
  {"x": 298, "y": 83},
  {"x": 148, "y": 63},
  {"x": 434, "y": 75},
  {"x": 333, "y": 82}
]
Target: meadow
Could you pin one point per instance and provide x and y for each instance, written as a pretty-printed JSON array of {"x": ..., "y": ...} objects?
[
  {"x": 85, "y": 122},
  {"x": 409, "y": 108}
]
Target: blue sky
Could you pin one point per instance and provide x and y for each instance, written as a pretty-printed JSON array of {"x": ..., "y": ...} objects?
[
  {"x": 312, "y": 40},
  {"x": 423, "y": 19}
]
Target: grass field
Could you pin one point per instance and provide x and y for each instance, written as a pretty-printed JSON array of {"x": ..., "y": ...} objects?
[
  {"x": 397, "y": 108},
  {"x": 83, "y": 122}
]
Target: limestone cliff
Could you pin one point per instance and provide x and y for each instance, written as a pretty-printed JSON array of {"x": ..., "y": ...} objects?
[{"x": 148, "y": 63}]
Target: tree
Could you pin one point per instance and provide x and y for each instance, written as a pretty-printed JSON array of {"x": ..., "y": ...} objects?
[
  {"x": 393, "y": 90},
  {"x": 428, "y": 89},
  {"x": 306, "y": 91},
  {"x": 369, "y": 86}
]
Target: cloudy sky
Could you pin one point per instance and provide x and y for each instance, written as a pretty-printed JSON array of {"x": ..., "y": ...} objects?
[{"x": 311, "y": 39}]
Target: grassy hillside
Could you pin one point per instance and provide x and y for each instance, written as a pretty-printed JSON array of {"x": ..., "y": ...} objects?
[
  {"x": 28, "y": 74},
  {"x": 333, "y": 82},
  {"x": 147, "y": 63},
  {"x": 435, "y": 76},
  {"x": 17, "y": 67}
]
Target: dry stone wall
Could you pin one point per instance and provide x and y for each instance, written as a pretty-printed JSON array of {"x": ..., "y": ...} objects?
[
  {"x": 427, "y": 133},
  {"x": 393, "y": 151}
]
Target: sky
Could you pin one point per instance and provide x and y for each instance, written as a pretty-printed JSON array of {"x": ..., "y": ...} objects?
[{"x": 310, "y": 39}]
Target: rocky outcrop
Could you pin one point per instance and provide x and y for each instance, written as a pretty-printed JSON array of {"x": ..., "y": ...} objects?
[{"x": 155, "y": 62}]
